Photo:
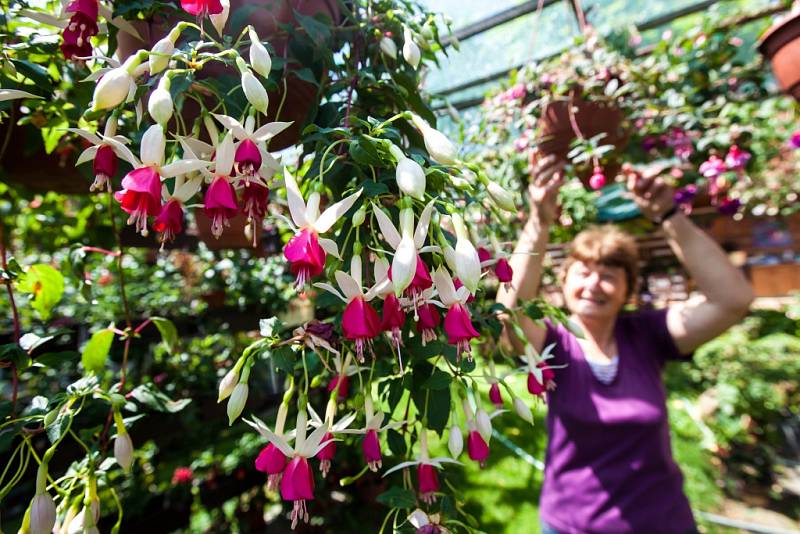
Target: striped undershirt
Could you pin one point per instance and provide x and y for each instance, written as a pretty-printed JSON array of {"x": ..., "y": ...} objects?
[{"x": 605, "y": 372}]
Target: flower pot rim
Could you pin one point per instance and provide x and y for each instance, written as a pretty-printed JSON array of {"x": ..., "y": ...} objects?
[{"x": 765, "y": 43}]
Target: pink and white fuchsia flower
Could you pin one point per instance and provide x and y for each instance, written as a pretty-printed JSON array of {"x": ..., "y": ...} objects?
[
  {"x": 426, "y": 469},
  {"x": 219, "y": 203},
  {"x": 251, "y": 154},
  {"x": 479, "y": 433},
  {"x": 272, "y": 460},
  {"x": 466, "y": 262},
  {"x": 306, "y": 251},
  {"x": 393, "y": 317},
  {"x": 169, "y": 222},
  {"x": 360, "y": 321},
  {"x": 371, "y": 444},
  {"x": 407, "y": 243},
  {"x": 325, "y": 456},
  {"x": 141, "y": 188},
  {"x": 457, "y": 322},
  {"x": 541, "y": 375},
  {"x": 103, "y": 154},
  {"x": 297, "y": 483}
]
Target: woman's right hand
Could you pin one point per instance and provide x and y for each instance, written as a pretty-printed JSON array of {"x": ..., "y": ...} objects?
[{"x": 546, "y": 179}]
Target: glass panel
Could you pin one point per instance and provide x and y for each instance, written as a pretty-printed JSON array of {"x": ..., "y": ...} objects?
[
  {"x": 607, "y": 15},
  {"x": 465, "y": 12},
  {"x": 505, "y": 46}
]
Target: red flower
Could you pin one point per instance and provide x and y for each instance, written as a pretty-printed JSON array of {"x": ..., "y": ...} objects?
[
  {"x": 428, "y": 482},
  {"x": 458, "y": 327},
  {"x": 182, "y": 475},
  {"x": 371, "y": 446},
  {"x": 272, "y": 462},
  {"x": 477, "y": 448},
  {"x": 140, "y": 196},
  {"x": 360, "y": 323},
  {"x": 325, "y": 456},
  {"x": 105, "y": 166},
  {"x": 202, "y": 8},
  {"x": 429, "y": 321},
  {"x": 548, "y": 380},
  {"x": 298, "y": 485},
  {"x": 219, "y": 204},
  {"x": 306, "y": 256},
  {"x": 170, "y": 221},
  {"x": 503, "y": 271},
  {"x": 495, "y": 396}
]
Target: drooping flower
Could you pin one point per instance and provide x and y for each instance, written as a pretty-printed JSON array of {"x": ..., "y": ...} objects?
[
  {"x": 169, "y": 222},
  {"x": 326, "y": 454},
  {"x": 219, "y": 204},
  {"x": 597, "y": 180},
  {"x": 428, "y": 483},
  {"x": 306, "y": 250},
  {"x": 467, "y": 262},
  {"x": 360, "y": 321},
  {"x": 426, "y": 524},
  {"x": 297, "y": 482},
  {"x": 202, "y": 8},
  {"x": 712, "y": 167},
  {"x": 411, "y": 52},
  {"x": 388, "y": 46},
  {"x": 159, "y": 105},
  {"x": 251, "y": 158},
  {"x": 477, "y": 448},
  {"x": 104, "y": 155},
  {"x": 272, "y": 460},
  {"x": 426, "y": 469},
  {"x": 255, "y": 198},
  {"x": 393, "y": 319},
  {"x": 428, "y": 321},
  {"x": 541, "y": 375},
  {"x": 81, "y": 27},
  {"x": 736, "y": 159},
  {"x": 409, "y": 174},
  {"x": 455, "y": 442},
  {"x": 259, "y": 57},
  {"x": 371, "y": 445},
  {"x": 495, "y": 396},
  {"x": 439, "y": 147},
  {"x": 503, "y": 271},
  {"x": 457, "y": 322}
]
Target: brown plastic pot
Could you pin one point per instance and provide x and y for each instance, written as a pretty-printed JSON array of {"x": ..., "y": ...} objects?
[
  {"x": 301, "y": 96},
  {"x": 556, "y": 131},
  {"x": 781, "y": 46}
]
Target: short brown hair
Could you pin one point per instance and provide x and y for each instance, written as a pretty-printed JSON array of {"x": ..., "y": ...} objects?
[{"x": 605, "y": 245}]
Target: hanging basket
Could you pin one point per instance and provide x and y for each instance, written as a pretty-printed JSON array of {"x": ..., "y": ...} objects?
[
  {"x": 781, "y": 46},
  {"x": 265, "y": 16},
  {"x": 557, "y": 132}
]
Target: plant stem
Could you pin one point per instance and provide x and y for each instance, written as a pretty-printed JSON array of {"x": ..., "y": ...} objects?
[
  {"x": 122, "y": 292},
  {"x": 15, "y": 316}
]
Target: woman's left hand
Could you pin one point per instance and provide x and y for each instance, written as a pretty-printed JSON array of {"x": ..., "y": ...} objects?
[{"x": 652, "y": 194}]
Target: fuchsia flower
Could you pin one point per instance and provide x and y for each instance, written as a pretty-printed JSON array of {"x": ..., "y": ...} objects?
[
  {"x": 736, "y": 159},
  {"x": 541, "y": 377},
  {"x": 712, "y": 167},
  {"x": 81, "y": 27},
  {"x": 428, "y": 321},
  {"x": 272, "y": 460},
  {"x": 484, "y": 255},
  {"x": 202, "y": 8},
  {"x": 306, "y": 250},
  {"x": 503, "y": 271},
  {"x": 458, "y": 285},
  {"x": 297, "y": 481},
  {"x": 371, "y": 445},
  {"x": 794, "y": 141},
  {"x": 597, "y": 180},
  {"x": 255, "y": 198},
  {"x": 182, "y": 475},
  {"x": 477, "y": 448},
  {"x": 326, "y": 454},
  {"x": 479, "y": 428},
  {"x": 457, "y": 322},
  {"x": 103, "y": 154},
  {"x": 105, "y": 166},
  {"x": 495, "y": 396},
  {"x": 169, "y": 222},
  {"x": 393, "y": 318},
  {"x": 251, "y": 159},
  {"x": 342, "y": 382},
  {"x": 360, "y": 321},
  {"x": 219, "y": 204},
  {"x": 428, "y": 483}
]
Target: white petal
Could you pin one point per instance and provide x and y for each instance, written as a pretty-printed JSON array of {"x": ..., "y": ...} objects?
[
  {"x": 423, "y": 223},
  {"x": 183, "y": 166},
  {"x": 44, "y": 18},
  {"x": 219, "y": 20},
  {"x": 418, "y": 518},
  {"x": 297, "y": 206},
  {"x": 335, "y": 212},
  {"x": 313, "y": 441},
  {"x": 273, "y": 438},
  {"x": 374, "y": 422},
  {"x": 347, "y": 283},
  {"x": 445, "y": 287},
  {"x": 188, "y": 190},
  {"x": 270, "y": 130},
  {"x": 233, "y": 125},
  {"x": 399, "y": 466},
  {"x": 388, "y": 229},
  {"x": 316, "y": 420},
  {"x": 462, "y": 294},
  {"x": 443, "y": 460},
  {"x": 330, "y": 289},
  {"x": 430, "y": 248},
  {"x": 87, "y": 155},
  {"x": 404, "y": 265},
  {"x": 124, "y": 25},
  {"x": 89, "y": 136},
  {"x": 153, "y": 146},
  {"x": 225, "y": 156},
  {"x": 329, "y": 246},
  {"x": 122, "y": 151},
  {"x": 344, "y": 422}
]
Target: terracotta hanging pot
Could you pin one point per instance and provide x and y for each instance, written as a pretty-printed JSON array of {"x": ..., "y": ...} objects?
[
  {"x": 557, "y": 131},
  {"x": 781, "y": 46},
  {"x": 265, "y": 16}
]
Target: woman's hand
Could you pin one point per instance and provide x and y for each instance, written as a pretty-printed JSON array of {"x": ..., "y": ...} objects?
[
  {"x": 652, "y": 194},
  {"x": 546, "y": 179}
]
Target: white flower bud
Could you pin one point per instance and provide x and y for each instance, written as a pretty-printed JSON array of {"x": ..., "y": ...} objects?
[
  {"x": 523, "y": 410},
  {"x": 153, "y": 145},
  {"x": 159, "y": 106},
  {"x": 456, "y": 442},
  {"x": 411, "y": 178},
  {"x": 388, "y": 47},
  {"x": 160, "y": 55},
  {"x": 484, "y": 424},
  {"x": 259, "y": 57},
  {"x": 237, "y": 401},
  {"x": 219, "y": 20},
  {"x": 255, "y": 92},
  {"x": 411, "y": 51},
  {"x": 404, "y": 263},
  {"x": 468, "y": 264},
  {"x": 123, "y": 450},
  {"x": 501, "y": 197},
  {"x": 227, "y": 384},
  {"x": 80, "y": 524},
  {"x": 113, "y": 89},
  {"x": 439, "y": 147},
  {"x": 43, "y": 514}
]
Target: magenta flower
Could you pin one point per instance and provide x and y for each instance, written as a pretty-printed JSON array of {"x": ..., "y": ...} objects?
[
  {"x": 252, "y": 161},
  {"x": 457, "y": 322},
  {"x": 272, "y": 462},
  {"x": 325, "y": 456},
  {"x": 81, "y": 27},
  {"x": 736, "y": 159},
  {"x": 371, "y": 446},
  {"x": 140, "y": 196},
  {"x": 428, "y": 483},
  {"x": 495, "y": 396},
  {"x": 597, "y": 180},
  {"x": 503, "y": 271},
  {"x": 182, "y": 475},
  {"x": 104, "y": 153},
  {"x": 393, "y": 320},
  {"x": 712, "y": 167},
  {"x": 248, "y": 158},
  {"x": 541, "y": 376},
  {"x": 220, "y": 204},
  {"x": 169, "y": 222},
  {"x": 202, "y": 8},
  {"x": 105, "y": 166},
  {"x": 255, "y": 198},
  {"x": 428, "y": 321},
  {"x": 327, "y": 452},
  {"x": 297, "y": 485},
  {"x": 794, "y": 141},
  {"x": 477, "y": 448},
  {"x": 342, "y": 382},
  {"x": 306, "y": 256}
]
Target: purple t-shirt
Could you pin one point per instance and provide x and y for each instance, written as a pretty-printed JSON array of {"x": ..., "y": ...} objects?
[{"x": 609, "y": 466}]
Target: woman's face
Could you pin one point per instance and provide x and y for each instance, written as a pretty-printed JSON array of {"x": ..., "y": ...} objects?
[{"x": 595, "y": 291}]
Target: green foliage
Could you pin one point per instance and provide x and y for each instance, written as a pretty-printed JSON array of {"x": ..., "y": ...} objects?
[
  {"x": 45, "y": 285},
  {"x": 96, "y": 351}
]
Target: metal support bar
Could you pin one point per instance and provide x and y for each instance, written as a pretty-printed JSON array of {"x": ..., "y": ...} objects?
[{"x": 493, "y": 21}]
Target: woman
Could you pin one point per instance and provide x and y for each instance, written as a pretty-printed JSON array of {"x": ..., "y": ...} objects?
[{"x": 609, "y": 466}]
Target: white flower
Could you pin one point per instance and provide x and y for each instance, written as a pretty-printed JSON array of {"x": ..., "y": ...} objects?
[
  {"x": 116, "y": 86},
  {"x": 456, "y": 441},
  {"x": 159, "y": 106},
  {"x": 409, "y": 174},
  {"x": 467, "y": 262},
  {"x": 447, "y": 290},
  {"x": 255, "y": 92},
  {"x": 228, "y": 383},
  {"x": 259, "y": 57},
  {"x": 411, "y": 51},
  {"x": 388, "y": 47},
  {"x": 439, "y": 147},
  {"x": 237, "y": 401},
  {"x": 219, "y": 20},
  {"x": 523, "y": 410},
  {"x": 123, "y": 450},
  {"x": 484, "y": 424},
  {"x": 43, "y": 514},
  {"x": 161, "y": 52},
  {"x": 501, "y": 197}
]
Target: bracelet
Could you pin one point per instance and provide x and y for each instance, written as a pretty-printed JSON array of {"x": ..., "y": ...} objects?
[{"x": 669, "y": 213}]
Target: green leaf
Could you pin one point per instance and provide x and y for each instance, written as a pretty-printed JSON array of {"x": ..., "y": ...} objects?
[
  {"x": 169, "y": 334},
  {"x": 284, "y": 359},
  {"x": 52, "y": 359},
  {"x": 51, "y": 135},
  {"x": 57, "y": 429},
  {"x": 14, "y": 353},
  {"x": 396, "y": 442},
  {"x": 397, "y": 497},
  {"x": 269, "y": 327},
  {"x": 96, "y": 350},
  {"x": 438, "y": 409},
  {"x": 318, "y": 31},
  {"x": 46, "y": 285},
  {"x": 438, "y": 380},
  {"x": 148, "y": 395}
]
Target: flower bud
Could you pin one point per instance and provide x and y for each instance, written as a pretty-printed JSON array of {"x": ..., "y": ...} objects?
[
  {"x": 255, "y": 92},
  {"x": 411, "y": 51},
  {"x": 456, "y": 441},
  {"x": 123, "y": 450},
  {"x": 468, "y": 263},
  {"x": 388, "y": 47},
  {"x": 523, "y": 410},
  {"x": 410, "y": 178},
  {"x": 502, "y": 198},
  {"x": 359, "y": 216},
  {"x": 227, "y": 384},
  {"x": 159, "y": 106},
  {"x": 43, "y": 514},
  {"x": 439, "y": 147},
  {"x": 160, "y": 54},
  {"x": 153, "y": 145},
  {"x": 237, "y": 401},
  {"x": 484, "y": 424},
  {"x": 259, "y": 57},
  {"x": 112, "y": 89}
]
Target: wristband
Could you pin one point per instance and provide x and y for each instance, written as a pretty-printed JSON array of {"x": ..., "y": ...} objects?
[{"x": 669, "y": 213}]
